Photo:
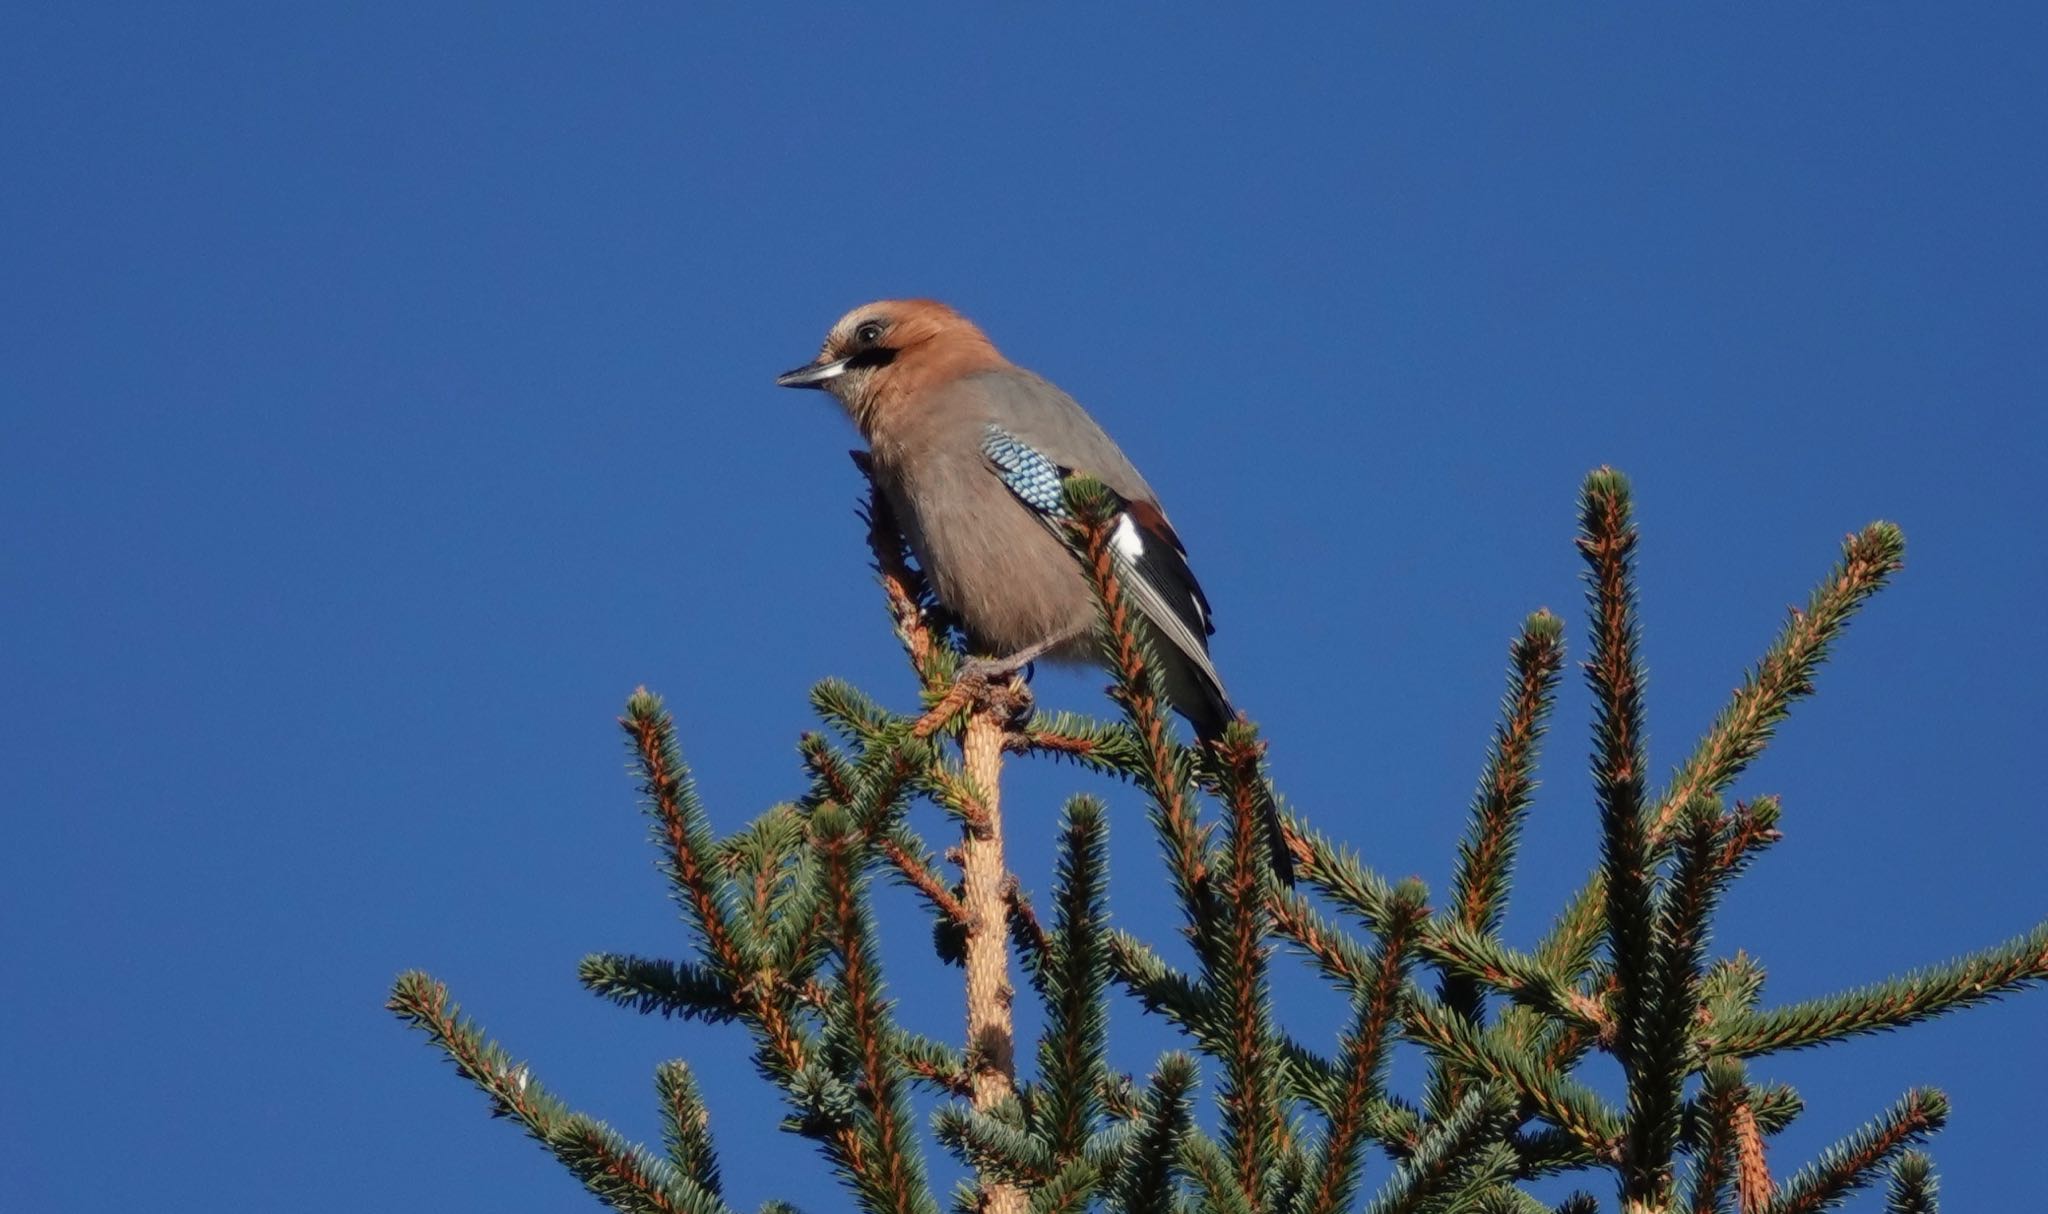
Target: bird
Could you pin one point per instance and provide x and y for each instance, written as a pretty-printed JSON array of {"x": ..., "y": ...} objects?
[{"x": 969, "y": 450}]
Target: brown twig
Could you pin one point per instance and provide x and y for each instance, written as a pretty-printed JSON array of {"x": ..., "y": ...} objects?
[
  {"x": 867, "y": 1018},
  {"x": 1161, "y": 771},
  {"x": 1251, "y": 1114},
  {"x": 1365, "y": 1051},
  {"x": 923, "y": 879},
  {"x": 1479, "y": 887},
  {"x": 1869, "y": 559}
]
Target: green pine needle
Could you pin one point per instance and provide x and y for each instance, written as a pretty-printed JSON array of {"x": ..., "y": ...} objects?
[
  {"x": 1914, "y": 1188},
  {"x": 1856, "y": 1160},
  {"x": 1976, "y": 978},
  {"x": 686, "y": 1126}
]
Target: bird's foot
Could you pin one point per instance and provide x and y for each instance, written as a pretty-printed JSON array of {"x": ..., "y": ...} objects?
[{"x": 992, "y": 683}]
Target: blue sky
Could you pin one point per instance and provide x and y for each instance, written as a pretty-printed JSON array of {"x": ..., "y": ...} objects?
[{"x": 386, "y": 394}]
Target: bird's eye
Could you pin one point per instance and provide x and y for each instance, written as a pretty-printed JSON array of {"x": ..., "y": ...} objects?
[{"x": 869, "y": 333}]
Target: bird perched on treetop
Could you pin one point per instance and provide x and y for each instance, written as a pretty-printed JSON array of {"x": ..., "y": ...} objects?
[{"x": 970, "y": 450}]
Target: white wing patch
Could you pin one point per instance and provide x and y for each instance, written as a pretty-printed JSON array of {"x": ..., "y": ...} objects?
[{"x": 1129, "y": 545}]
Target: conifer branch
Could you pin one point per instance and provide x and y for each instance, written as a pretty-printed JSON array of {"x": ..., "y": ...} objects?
[
  {"x": 954, "y": 791},
  {"x": 1249, "y": 1094},
  {"x": 785, "y": 1045},
  {"x": 832, "y": 779},
  {"x": 1000, "y": 1153},
  {"x": 1548, "y": 1150},
  {"x": 858, "y": 1032},
  {"x": 1607, "y": 540},
  {"x": 912, "y": 862},
  {"x": 1122, "y": 1100},
  {"x": 1162, "y": 989},
  {"x": 1713, "y": 1156},
  {"x": 1363, "y": 1063},
  {"x": 1068, "y": 1191},
  {"x": 784, "y": 942},
  {"x": 1567, "y": 1042},
  {"x": 1448, "y": 1147},
  {"x": 1072, "y": 1064},
  {"x": 1774, "y": 1106},
  {"x": 1164, "y": 770},
  {"x": 1112, "y": 748},
  {"x": 1479, "y": 883},
  {"x": 1209, "y": 1168},
  {"x": 624, "y": 1176},
  {"x": 849, "y": 710},
  {"x": 1785, "y": 674},
  {"x": 1026, "y": 932},
  {"x": 796, "y": 943},
  {"x": 686, "y": 1126},
  {"x": 1732, "y": 987},
  {"x": 1109, "y": 1147},
  {"x": 1338, "y": 874},
  {"x": 765, "y": 861},
  {"x": 934, "y": 1063},
  {"x": 1575, "y": 935},
  {"x": 680, "y": 827},
  {"x": 1854, "y": 1162},
  {"x": 649, "y": 984},
  {"x": 1334, "y": 951},
  {"x": 1485, "y": 1180},
  {"x": 890, "y": 768},
  {"x": 1564, "y": 1102},
  {"x": 1144, "y": 1184},
  {"x": 1661, "y": 1058},
  {"x": 1483, "y": 961},
  {"x": 1505, "y": 1199},
  {"x": 1913, "y": 1188},
  {"x": 1976, "y": 978}
]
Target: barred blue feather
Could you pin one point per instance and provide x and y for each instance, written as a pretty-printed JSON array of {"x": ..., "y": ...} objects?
[{"x": 1029, "y": 474}]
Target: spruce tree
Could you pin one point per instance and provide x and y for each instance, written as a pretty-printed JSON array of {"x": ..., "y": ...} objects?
[{"x": 782, "y": 941}]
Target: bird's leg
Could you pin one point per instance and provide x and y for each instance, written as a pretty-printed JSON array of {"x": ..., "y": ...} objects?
[
  {"x": 989, "y": 670},
  {"x": 980, "y": 677}
]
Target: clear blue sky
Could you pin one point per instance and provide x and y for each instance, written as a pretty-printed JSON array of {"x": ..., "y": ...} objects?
[{"x": 386, "y": 394}]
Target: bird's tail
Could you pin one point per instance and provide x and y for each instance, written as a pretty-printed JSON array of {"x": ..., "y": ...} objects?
[{"x": 1276, "y": 836}]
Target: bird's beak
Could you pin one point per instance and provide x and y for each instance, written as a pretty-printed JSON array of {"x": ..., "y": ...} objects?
[{"x": 812, "y": 374}]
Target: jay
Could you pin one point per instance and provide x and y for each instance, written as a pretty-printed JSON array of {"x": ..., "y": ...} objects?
[{"x": 969, "y": 449}]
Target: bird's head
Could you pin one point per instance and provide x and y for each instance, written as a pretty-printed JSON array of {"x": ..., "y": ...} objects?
[{"x": 879, "y": 355}]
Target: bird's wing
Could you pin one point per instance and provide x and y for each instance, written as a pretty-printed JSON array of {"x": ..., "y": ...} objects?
[{"x": 1147, "y": 551}]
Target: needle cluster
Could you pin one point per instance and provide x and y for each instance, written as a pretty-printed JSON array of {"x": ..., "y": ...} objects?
[{"x": 781, "y": 931}]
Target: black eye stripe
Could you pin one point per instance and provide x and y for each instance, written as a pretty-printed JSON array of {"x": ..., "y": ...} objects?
[{"x": 875, "y": 356}]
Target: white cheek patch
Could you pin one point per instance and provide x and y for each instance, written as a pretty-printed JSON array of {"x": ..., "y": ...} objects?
[{"x": 1128, "y": 544}]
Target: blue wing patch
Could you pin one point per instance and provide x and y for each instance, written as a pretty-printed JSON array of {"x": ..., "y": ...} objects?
[{"x": 1034, "y": 478}]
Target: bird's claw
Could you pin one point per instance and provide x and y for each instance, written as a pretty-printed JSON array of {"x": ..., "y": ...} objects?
[{"x": 989, "y": 682}]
